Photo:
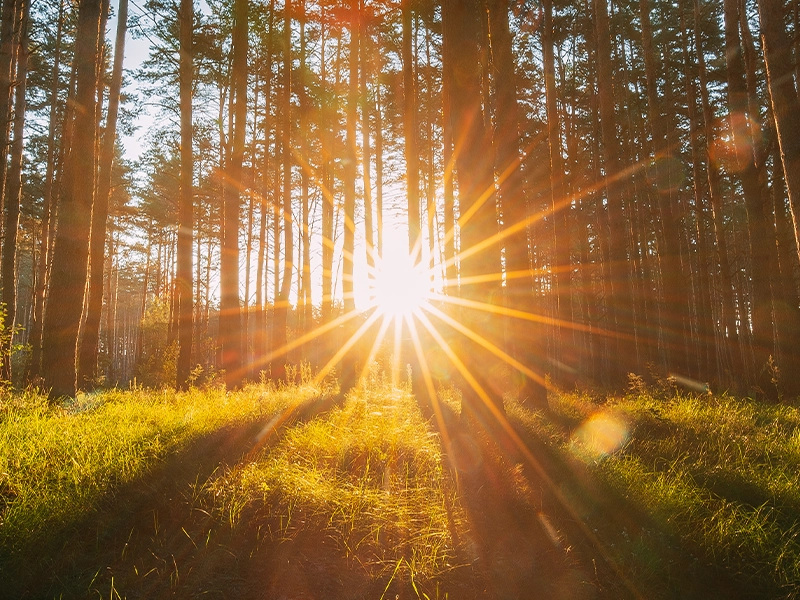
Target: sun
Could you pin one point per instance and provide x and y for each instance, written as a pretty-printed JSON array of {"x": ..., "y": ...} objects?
[{"x": 399, "y": 287}]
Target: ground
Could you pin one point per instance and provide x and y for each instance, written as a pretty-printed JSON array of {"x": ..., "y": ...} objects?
[{"x": 332, "y": 498}]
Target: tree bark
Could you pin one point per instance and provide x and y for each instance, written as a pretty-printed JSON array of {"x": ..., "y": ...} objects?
[
  {"x": 186, "y": 208},
  {"x": 784, "y": 99},
  {"x": 8, "y": 52},
  {"x": 479, "y": 251},
  {"x": 230, "y": 309},
  {"x": 282, "y": 301},
  {"x": 305, "y": 308},
  {"x": 366, "y": 151},
  {"x": 326, "y": 143},
  {"x": 561, "y": 209},
  {"x": 71, "y": 250},
  {"x": 87, "y": 364},
  {"x": 410, "y": 133},
  {"x": 676, "y": 294},
  {"x": 620, "y": 301},
  {"x": 34, "y": 366},
  {"x": 14, "y": 191},
  {"x": 747, "y": 173}
]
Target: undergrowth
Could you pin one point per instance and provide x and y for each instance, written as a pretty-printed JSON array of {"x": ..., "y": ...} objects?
[
  {"x": 717, "y": 473},
  {"x": 57, "y": 461},
  {"x": 369, "y": 477}
]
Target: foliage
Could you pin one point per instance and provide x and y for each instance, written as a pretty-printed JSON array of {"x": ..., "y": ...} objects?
[{"x": 157, "y": 363}]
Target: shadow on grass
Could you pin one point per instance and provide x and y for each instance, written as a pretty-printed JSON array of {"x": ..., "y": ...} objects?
[
  {"x": 152, "y": 537},
  {"x": 624, "y": 540}
]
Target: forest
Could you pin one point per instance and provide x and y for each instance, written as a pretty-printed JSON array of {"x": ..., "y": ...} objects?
[
  {"x": 443, "y": 299},
  {"x": 591, "y": 189}
]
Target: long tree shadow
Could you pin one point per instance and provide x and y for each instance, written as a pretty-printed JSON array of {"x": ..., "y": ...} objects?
[
  {"x": 515, "y": 545},
  {"x": 153, "y": 537},
  {"x": 619, "y": 537}
]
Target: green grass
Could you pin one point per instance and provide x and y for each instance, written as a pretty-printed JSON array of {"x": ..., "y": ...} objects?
[
  {"x": 361, "y": 488},
  {"x": 58, "y": 461},
  {"x": 360, "y": 496},
  {"x": 717, "y": 473},
  {"x": 369, "y": 477}
]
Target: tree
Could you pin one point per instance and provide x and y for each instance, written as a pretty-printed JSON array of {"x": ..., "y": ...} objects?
[
  {"x": 186, "y": 204},
  {"x": 743, "y": 162},
  {"x": 71, "y": 249},
  {"x": 87, "y": 363},
  {"x": 621, "y": 301},
  {"x": 230, "y": 309},
  {"x": 281, "y": 312},
  {"x": 479, "y": 257},
  {"x": 784, "y": 99},
  {"x": 13, "y": 191}
]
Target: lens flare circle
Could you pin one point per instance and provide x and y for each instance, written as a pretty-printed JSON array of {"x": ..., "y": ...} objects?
[{"x": 399, "y": 287}]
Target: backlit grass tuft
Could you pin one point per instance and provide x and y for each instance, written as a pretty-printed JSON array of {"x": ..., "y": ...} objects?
[
  {"x": 717, "y": 472},
  {"x": 57, "y": 462},
  {"x": 368, "y": 476}
]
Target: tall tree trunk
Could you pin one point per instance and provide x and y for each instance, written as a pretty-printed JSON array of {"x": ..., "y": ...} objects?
[
  {"x": 379, "y": 162},
  {"x": 479, "y": 251},
  {"x": 326, "y": 143},
  {"x": 14, "y": 191},
  {"x": 560, "y": 207},
  {"x": 87, "y": 363},
  {"x": 784, "y": 99},
  {"x": 366, "y": 151},
  {"x": 47, "y": 208},
  {"x": 747, "y": 173},
  {"x": 525, "y": 341},
  {"x": 787, "y": 303},
  {"x": 676, "y": 295},
  {"x": 305, "y": 304},
  {"x": 449, "y": 165},
  {"x": 186, "y": 207},
  {"x": 430, "y": 176},
  {"x": 410, "y": 132},
  {"x": 230, "y": 310},
  {"x": 620, "y": 301},
  {"x": 71, "y": 250},
  {"x": 282, "y": 301},
  {"x": 260, "y": 337},
  {"x": 348, "y": 376},
  {"x": 707, "y": 346},
  {"x": 730, "y": 333},
  {"x": 8, "y": 52}
]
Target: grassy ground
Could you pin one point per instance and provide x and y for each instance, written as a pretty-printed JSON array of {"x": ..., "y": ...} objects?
[
  {"x": 57, "y": 462},
  {"x": 269, "y": 493},
  {"x": 711, "y": 480}
]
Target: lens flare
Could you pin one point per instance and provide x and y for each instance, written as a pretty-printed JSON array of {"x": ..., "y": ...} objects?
[{"x": 601, "y": 434}]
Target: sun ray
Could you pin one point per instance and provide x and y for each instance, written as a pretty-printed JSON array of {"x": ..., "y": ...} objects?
[
  {"x": 398, "y": 340},
  {"x": 522, "y": 224},
  {"x": 302, "y": 340},
  {"x": 426, "y": 375},
  {"x": 521, "y": 314},
  {"x": 375, "y": 347},
  {"x": 346, "y": 347},
  {"x": 459, "y": 364},
  {"x": 529, "y": 457},
  {"x": 503, "y": 276},
  {"x": 482, "y": 341}
]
